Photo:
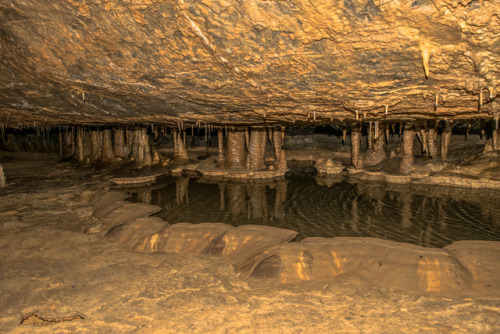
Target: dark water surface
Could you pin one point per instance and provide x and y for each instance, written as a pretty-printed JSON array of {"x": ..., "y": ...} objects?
[{"x": 427, "y": 216}]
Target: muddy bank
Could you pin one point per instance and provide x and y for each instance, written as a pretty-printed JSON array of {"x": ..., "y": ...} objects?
[{"x": 58, "y": 278}]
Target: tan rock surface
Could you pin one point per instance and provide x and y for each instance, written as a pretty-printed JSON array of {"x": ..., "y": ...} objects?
[{"x": 230, "y": 61}]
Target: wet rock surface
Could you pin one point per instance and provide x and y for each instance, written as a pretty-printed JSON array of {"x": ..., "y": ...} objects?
[
  {"x": 57, "y": 278},
  {"x": 65, "y": 62}
]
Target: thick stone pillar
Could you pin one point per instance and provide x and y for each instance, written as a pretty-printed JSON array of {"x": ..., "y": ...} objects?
[
  {"x": 408, "y": 139},
  {"x": 356, "y": 159},
  {"x": 257, "y": 148},
  {"x": 119, "y": 146},
  {"x": 235, "y": 151}
]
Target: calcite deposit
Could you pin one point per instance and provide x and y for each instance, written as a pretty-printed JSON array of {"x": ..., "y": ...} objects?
[{"x": 143, "y": 61}]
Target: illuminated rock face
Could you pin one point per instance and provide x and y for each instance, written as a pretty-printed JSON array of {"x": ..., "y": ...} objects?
[{"x": 233, "y": 61}]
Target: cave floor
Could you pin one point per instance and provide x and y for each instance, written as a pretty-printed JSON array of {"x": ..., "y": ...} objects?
[{"x": 59, "y": 279}]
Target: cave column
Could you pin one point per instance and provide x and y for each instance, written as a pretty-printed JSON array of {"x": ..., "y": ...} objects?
[
  {"x": 220, "y": 143},
  {"x": 356, "y": 159},
  {"x": 279, "y": 152},
  {"x": 119, "y": 146},
  {"x": 79, "y": 145},
  {"x": 431, "y": 139},
  {"x": 408, "y": 139},
  {"x": 147, "y": 160},
  {"x": 257, "y": 148},
  {"x": 107, "y": 146},
  {"x": 235, "y": 151},
  {"x": 95, "y": 139},
  {"x": 445, "y": 139}
]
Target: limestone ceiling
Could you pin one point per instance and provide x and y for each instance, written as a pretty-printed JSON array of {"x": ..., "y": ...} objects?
[{"x": 247, "y": 61}]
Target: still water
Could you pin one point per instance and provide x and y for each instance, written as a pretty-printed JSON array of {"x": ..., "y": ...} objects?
[{"x": 426, "y": 216}]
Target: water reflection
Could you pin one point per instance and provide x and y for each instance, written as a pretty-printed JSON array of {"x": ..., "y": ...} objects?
[{"x": 425, "y": 216}]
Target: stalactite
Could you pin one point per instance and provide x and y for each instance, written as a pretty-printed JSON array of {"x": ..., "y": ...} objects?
[
  {"x": 279, "y": 152},
  {"x": 408, "y": 139},
  {"x": 257, "y": 148},
  {"x": 107, "y": 146},
  {"x": 356, "y": 159},
  {"x": 235, "y": 151},
  {"x": 69, "y": 146},
  {"x": 220, "y": 143},
  {"x": 445, "y": 139}
]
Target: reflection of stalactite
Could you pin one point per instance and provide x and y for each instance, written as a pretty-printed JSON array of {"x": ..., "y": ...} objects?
[
  {"x": 405, "y": 198},
  {"x": 257, "y": 200},
  {"x": 354, "y": 214},
  {"x": 181, "y": 190},
  {"x": 279, "y": 202},
  {"x": 222, "y": 188},
  {"x": 236, "y": 198}
]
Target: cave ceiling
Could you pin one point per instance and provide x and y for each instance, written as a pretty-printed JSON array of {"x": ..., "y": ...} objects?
[{"x": 247, "y": 61}]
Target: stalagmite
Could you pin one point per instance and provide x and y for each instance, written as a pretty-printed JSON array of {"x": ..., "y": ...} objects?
[
  {"x": 257, "y": 148},
  {"x": 356, "y": 160},
  {"x": 3, "y": 181},
  {"x": 408, "y": 139},
  {"x": 235, "y": 150},
  {"x": 422, "y": 136},
  {"x": 180, "y": 151},
  {"x": 445, "y": 139},
  {"x": 220, "y": 143},
  {"x": 376, "y": 154},
  {"x": 107, "y": 146},
  {"x": 119, "y": 145}
]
